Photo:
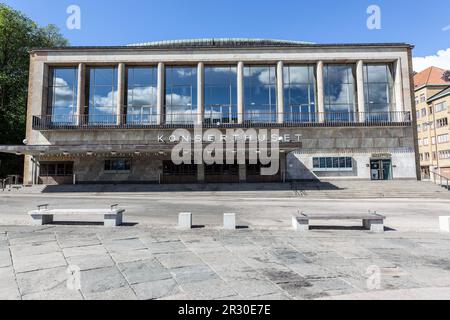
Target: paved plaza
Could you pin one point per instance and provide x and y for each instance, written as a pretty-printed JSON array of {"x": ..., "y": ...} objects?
[{"x": 149, "y": 258}]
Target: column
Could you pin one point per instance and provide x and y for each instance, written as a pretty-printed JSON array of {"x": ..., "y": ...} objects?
[
  {"x": 399, "y": 107},
  {"x": 200, "y": 173},
  {"x": 280, "y": 93},
  {"x": 240, "y": 92},
  {"x": 320, "y": 92},
  {"x": 121, "y": 93},
  {"x": 200, "y": 92},
  {"x": 360, "y": 90},
  {"x": 160, "y": 94},
  {"x": 81, "y": 93}
]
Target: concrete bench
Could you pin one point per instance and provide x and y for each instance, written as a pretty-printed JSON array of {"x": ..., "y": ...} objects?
[
  {"x": 111, "y": 217},
  {"x": 371, "y": 221}
]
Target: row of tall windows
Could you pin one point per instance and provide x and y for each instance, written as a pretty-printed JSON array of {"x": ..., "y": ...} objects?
[{"x": 220, "y": 93}]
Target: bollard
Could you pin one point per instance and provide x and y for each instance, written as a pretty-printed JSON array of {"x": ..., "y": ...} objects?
[
  {"x": 229, "y": 221},
  {"x": 185, "y": 220}
]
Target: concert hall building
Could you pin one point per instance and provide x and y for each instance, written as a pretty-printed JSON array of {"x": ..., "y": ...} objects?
[{"x": 106, "y": 114}]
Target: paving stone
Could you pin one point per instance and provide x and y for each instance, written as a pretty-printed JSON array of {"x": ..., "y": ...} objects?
[
  {"x": 156, "y": 289},
  {"x": 281, "y": 276},
  {"x": 123, "y": 293},
  {"x": 101, "y": 280},
  {"x": 89, "y": 262},
  {"x": 5, "y": 257},
  {"x": 8, "y": 286},
  {"x": 77, "y": 241},
  {"x": 84, "y": 251},
  {"x": 249, "y": 288},
  {"x": 194, "y": 274},
  {"x": 26, "y": 238},
  {"x": 124, "y": 245},
  {"x": 42, "y": 280},
  {"x": 178, "y": 260},
  {"x": 56, "y": 294},
  {"x": 131, "y": 255},
  {"x": 144, "y": 271},
  {"x": 32, "y": 249},
  {"x": 38, "y": 262},
  {"x": 166, "y": 247},
  {"x": 208, "y": 290}
]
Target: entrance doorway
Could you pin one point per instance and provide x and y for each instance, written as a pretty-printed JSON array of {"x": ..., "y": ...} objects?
[{"x": 381, "y": 169}]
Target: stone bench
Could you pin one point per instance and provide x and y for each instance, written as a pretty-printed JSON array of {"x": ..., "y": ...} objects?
[
  {"x": 371, "y": 221},
  {"x": 111, "y": 217},
  {"x": 444, "y": 223}
]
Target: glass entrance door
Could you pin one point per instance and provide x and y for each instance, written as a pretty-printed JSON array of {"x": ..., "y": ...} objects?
[{"x": 381, "y": 169}]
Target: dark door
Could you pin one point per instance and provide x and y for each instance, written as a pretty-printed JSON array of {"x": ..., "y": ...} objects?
[{"x": 381, "y": 169}]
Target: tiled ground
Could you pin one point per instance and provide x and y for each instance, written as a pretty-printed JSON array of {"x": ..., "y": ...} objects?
[{"x": 145, "y": 263}]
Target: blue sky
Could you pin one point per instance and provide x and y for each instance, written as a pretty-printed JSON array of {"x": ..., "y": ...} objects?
[{"x": 322, "y": 21}]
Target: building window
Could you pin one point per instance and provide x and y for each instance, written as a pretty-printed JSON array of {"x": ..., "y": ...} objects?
[
  {"x": 117, "y": 165},
  {"x": 221, "y": 94},
  {"x": 55, "y": 169},
  {"x": 141, "y": 95},
  {"x": 443, "y": 138},
  {"x": 421, "y": 157},
  {"x": 424, "y": 112},
  {"x": 444, "y": 154},
  {"x": 102, "y": 94},
  {"x": 441, "y": 106},
  {"x": 181, "y": 95},
  {"x": 339, "y": 93},
  {"x": 423, "y": 98},
  {"x": 171, "y": 169},
  {"x": 378, "y": 90},
  {"x": 420, "y": 142},
  {"x": 260, "y": 93},
  {"x": 426, "y": 141},
  {"x": 427, "y": 156},
  {"x": 433, "y": 141},
  {"x": 63, "y": 95},
  {"x": 442, "y": 122},
  {"x": 419, "y": 128},
  {"x": 299, "y": 93},
  {"x": 333, "y": 164},
  {"x": 417, "y": 100}
]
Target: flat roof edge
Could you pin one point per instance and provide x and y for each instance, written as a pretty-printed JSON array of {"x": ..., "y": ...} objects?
[{"x": 187, "y": 47}]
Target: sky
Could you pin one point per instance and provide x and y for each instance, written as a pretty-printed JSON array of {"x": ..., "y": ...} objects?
[{"x": 425, "y": 24}]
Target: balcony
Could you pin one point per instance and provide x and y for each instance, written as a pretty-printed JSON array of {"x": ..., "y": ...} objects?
[{"x": 221, "y": 120}]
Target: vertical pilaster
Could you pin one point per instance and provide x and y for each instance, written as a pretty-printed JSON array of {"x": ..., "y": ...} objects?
[
  {"x": 360, "y": 89},
  {"x": 201, "y": 173},
  {"x": 320, "y": 93},
  {"x": 280, "y": 92},
  {"x": 398, "y": 88},
  {"x": 200, "y": 92},
  {"x": 121, "y": 93},
  {"x": 240, "y": 92},
  {"x": 242, "y": 173},
  {"x": 160, "y": 94},
  {"x": 81, "y": 98}
]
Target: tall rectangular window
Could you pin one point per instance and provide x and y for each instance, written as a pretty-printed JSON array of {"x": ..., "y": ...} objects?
[
  {"x": 63, "y": 95},
  {"x": 260, "y": 99},
  {"x": 221, "y": 94},
  {"x": 339, "y": 92},
  {"x": 181, "y": 94},
  {"x": 102, "y": 87},
  {"x": 141, "y": 96},
  {"x": 299, "y": 93},
  {"x": 378, "y": 90}
]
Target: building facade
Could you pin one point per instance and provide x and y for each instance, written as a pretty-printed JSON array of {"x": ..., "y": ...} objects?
[
  {"x": 432, "y": 96},
  {"x": 107, "y": 114}
]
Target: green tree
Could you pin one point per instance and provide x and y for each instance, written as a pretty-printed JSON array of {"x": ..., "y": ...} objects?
[{"x": 18, "y": 34}]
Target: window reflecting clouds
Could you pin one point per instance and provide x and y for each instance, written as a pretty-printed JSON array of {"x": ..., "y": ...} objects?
[
  {"x": 142, "y": 95},
  {"x": 221, "y": 94},
  {"x": 339, "y": 92},
  {"x": 62, "y": 95},
  {"x": 299, "y": 93},
  {"x": 102, "y": 95},
  {"x": 378, "y": 90},
  {"x": 260, "y": 97},
  {"x": 181, "y": 94}
]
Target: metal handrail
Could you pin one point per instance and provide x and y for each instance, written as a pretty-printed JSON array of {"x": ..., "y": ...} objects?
[
  {"x": 216, "y": 119},
  {"x": 441, "y": 178}
]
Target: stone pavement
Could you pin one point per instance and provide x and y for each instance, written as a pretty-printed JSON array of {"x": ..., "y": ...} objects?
[{"x": 165, "y": 263}]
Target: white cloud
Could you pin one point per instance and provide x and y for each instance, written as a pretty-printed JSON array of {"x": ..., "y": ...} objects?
[
  {"x": 447, "y": 28},
  {"x": 440, "y": 60}
]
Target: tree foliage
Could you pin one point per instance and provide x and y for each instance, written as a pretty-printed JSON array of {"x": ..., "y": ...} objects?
[{"x": 18, "y": 34}]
